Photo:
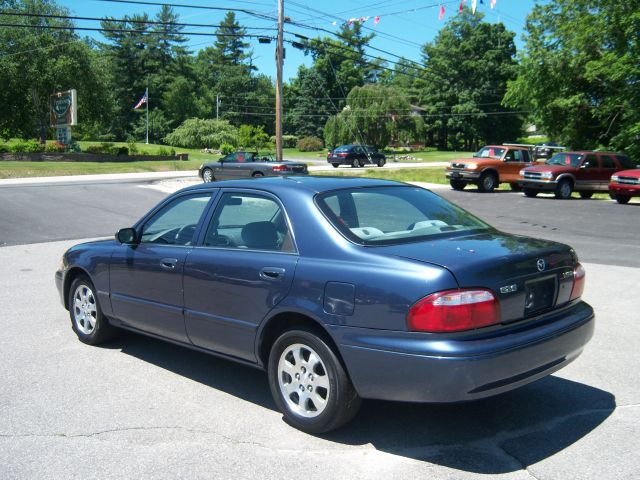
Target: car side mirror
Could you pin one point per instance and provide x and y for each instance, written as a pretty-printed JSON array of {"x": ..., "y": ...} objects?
[{"x": 127, "y": 236}]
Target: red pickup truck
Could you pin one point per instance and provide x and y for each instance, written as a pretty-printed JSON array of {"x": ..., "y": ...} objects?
[{"x": 585, "y": 172}]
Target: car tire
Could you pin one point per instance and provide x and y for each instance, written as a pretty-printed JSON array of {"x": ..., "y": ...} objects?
[
  {"x": 488, "y": 182},
  {"x": 381, "y": 162},
  {"x": 457, "y": 184},
  {"x": 335, "y": 165},
  {"x": 623, "y": 199},
  {"x": 564, "y": 189},
  {"x": 355, "y": 163},
  {"x": 207, "y": 175},
  {"x": 516, "y": 187},
  {"x": 87, "y": 320},
  {"x": 257, "y": 174},
  {"x": 530, "y": 192},
  {"x": 586, "y": 195},
  {"x": 302, "y": 361},
  {"x": 361, "y": 163}
]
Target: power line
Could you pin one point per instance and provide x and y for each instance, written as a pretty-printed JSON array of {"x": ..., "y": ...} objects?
[
  {"x": 126, "y": 30},
  {"x": 132, "y": 21}
]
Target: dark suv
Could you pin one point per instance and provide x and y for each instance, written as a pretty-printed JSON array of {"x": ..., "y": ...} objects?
[
  {"x": 584, "y": 172},
  {"x": 356, "y": 156}
]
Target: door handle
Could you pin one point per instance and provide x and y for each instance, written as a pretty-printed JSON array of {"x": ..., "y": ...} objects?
[
  {"x": 272, "y": 273},
  {"x": 169, "y": 263}
]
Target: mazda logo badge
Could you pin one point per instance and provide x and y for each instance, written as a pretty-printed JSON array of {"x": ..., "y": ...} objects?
[{"x": 541, "y": 265}]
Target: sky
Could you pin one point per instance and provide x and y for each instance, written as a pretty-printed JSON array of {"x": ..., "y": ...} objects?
[{"x": 404, "y": 25}]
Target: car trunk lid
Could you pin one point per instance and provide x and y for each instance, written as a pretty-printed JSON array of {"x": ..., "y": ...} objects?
[{"x": 528, "y": 275}]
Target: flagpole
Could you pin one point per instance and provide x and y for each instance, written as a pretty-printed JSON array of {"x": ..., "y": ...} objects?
[{"x": 146, "y": 92}]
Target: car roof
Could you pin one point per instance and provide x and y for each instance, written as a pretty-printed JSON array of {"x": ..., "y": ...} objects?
[
  {"x": 585, "y": 152},
  {"x": 307, "y": 183}
]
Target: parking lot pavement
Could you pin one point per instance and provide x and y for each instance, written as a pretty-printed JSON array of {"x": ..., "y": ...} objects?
[{"x": 141, "y": 408}]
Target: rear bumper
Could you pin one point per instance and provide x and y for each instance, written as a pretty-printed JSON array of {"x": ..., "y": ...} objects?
[
  {"x": 462, "y": 175},
  {"x": 407, "y": 366},
  {"x": 627, "y": 190}
]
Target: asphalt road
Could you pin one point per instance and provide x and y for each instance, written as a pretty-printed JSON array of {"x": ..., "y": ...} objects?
[
  {"x": 601, "y": 231},
  {"x": 143, "y": 408}
]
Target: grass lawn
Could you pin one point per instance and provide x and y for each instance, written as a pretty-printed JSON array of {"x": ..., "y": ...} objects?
[{"x": 424, "y": 174}]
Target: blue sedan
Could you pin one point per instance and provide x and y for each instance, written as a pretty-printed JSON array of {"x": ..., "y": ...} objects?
[{"x": 342, "y": 289}]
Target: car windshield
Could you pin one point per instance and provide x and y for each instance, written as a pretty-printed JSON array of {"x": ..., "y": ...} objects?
[
  {"x": 394, "y": 215},
  {"x": 490, "y": 152},
  {"x": 566, "y": 159}
]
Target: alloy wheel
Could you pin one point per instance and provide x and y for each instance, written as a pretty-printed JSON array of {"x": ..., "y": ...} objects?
[
  {"x": 303, "y": 380},
  {"x": 85, "y": 311}
]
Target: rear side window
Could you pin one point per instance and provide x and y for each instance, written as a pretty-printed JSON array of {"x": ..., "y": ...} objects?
[
  {"x": 607, "y": 161},
  {"x": 249, "y": 221},
  {"x": 591, "y": 161},
  {"x": 626, "y": 162}
]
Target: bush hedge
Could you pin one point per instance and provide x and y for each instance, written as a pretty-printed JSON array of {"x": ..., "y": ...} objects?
[{"x": 310, "y": 144}]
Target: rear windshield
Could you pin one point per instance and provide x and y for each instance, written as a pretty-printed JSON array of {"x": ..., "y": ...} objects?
[
  {"x": 489, "y": 152},
  {"x": 344, "y": 148},
  {"x": 566, "y": 159},
  {"x": 394, "y": 215}
]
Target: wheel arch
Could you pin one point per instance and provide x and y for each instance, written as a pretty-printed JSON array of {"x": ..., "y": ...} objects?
[
  {"x": 273, "y": 327},
  {"x": 491, "y": 171},
  {"x": 566, "y": 176},
  {"x": 71, "y": 275}
]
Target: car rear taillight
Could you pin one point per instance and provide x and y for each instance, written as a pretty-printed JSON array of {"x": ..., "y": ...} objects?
[
  {"x": 343, "y": 154},
  {"x": 579, "y": 275},
  {"x": 454, "y": 311},
  {"x": 279, "y": 168}
]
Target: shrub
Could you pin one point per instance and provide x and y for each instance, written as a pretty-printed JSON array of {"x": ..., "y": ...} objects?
[
  {"x": 163, "y": 151},
  {"x": 55, "y": 147},
  {"x": 227, "y": 148},
  {"x": 288, "y": 141},
  {"x": 25, "y": 146},
  {"x": 133, "y": 148},
  {"x": 310, "y": 144},
  {"x": 3, "y": 148},
  {"x": 107, "y": 149}
]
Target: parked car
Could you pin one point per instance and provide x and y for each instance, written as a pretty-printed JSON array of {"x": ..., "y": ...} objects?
[
  {"x": 489, "y": 167},
  {"x": 243, "y": 164},
  {"x": 356, "y": 156},
  {"x": 341, "y": 288},
  {"x": 584, "y": 172},
  {"x": 545, "y": 150},
  {"x": 624, "y": 185}
]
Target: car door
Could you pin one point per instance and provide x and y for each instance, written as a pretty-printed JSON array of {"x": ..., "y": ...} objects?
[
  {"x": 514, "y": 161},
  {"x": 146, "y": 277},
  {"x": 587, "y": 177},
  {"x": 225, "y": 168},
  {"x": 242, "y": 268},
  {"x": 609, "y": 166}
]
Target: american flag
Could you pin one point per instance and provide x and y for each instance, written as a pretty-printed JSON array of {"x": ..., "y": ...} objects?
[{"x": 142, "y": 101}]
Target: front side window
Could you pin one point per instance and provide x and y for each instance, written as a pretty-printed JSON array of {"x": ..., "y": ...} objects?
[
  {"x": 176, "y": 222},
  {"x": 249, "y": 221},
  {"x": 394, "y": 215},
  {"x": 489, "y": 152}
]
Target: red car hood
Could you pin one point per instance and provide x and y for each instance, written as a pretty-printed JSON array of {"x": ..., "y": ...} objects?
[
  {"x": 551, "y": 168},
  {"x": 635, "y": 173}
]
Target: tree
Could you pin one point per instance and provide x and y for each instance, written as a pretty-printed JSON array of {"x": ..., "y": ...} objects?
[
  {"x": 200, "y": 133},
  {"x": 36, "y": 61},
  {"x": 307, "y": 105},
  {"x": 375, "y": 115},
  {"x": 580, "y": 73},
  {"x": 468, "y": 66}
]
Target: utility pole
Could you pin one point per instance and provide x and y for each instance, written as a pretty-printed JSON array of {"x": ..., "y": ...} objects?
[
  {"x": 279, "y": 61},
  {"x": 146, "y": 93}
]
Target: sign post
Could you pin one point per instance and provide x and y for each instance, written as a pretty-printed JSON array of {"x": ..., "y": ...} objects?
[{"x": 64, "y": 114}]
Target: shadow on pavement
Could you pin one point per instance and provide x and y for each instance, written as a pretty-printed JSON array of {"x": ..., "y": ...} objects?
[{"x": 497, "y": 435}]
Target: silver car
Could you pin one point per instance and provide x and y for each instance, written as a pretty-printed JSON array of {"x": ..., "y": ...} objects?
[{"x": 243, "y": 164}]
